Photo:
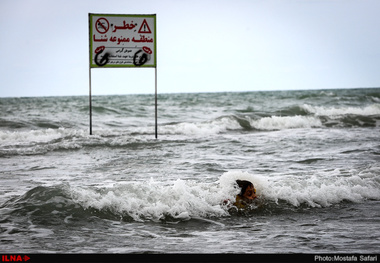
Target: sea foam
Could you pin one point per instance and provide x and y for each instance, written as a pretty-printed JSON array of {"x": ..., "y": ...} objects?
[
  {"x": 373, "y": 109},
  {"x": 178, "y": 200},
  {"x": 185, "y": 199},
  {"x": 288, "y": 122}
]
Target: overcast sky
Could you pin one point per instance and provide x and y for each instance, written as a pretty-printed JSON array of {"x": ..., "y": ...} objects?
[{"x": 202, "y": 46}]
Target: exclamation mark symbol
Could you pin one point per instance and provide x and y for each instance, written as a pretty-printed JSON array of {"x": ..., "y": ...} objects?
[{"x": 144, "y": 29}]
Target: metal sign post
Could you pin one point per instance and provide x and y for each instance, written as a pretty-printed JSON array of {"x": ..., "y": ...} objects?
[
  {"x": 122, "y": 41},
  {"x": 90, "y": 101},
  {"x": 155, "y": 93}
]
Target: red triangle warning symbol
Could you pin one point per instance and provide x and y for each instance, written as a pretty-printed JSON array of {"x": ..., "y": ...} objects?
[{"x": 144, "y": 29}]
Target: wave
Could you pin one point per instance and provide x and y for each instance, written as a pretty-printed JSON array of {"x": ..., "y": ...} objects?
[
  {"x": 235, "y": 123},
  {"x": 41, "y": 141},
  {"x": 281, "y": 123},
  {"x": 185, "y": 199},
  {"x": 37, "y": 142},
  {"x": 135, "y": 201},
  {"x": 218, "y": 125},
  {"x": 316, "y": 190},
  {"x": 305, "y": 116},
  {"x": 346, "y": 117},
  {"x": 104, "y": 110},
  {"x": 31, "y": 124},
  {"x": 370, "y": 110}
]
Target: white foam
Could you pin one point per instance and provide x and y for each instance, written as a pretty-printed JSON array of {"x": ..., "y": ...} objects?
[
  {"x": 182, "y": 200},
  {"x": 315, "y": 190},
  {"x": 154, "y": 200},
  {"x": 38, "y": 136},
  {"x": 45, "y": 140},
  {"x": 373, "y": 109},
  {"x": 230, "y": 123},
  {"x": 201, "y": 128},
  {"x": 287, "y": 122},
  {"x": 322, "y": 189}
]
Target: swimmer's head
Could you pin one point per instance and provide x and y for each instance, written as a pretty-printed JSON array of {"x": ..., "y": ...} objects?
[{"x": 247, "y": 191}]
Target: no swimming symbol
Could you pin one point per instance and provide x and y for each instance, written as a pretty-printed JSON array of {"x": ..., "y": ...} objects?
[{"x": 102, "y": 25}]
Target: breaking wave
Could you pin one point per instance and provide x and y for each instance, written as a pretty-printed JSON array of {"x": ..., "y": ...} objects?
[
  {"x": 370, "y": 110},
  {"x": 185, "y": 199},
  {"x": 40, "y": 141}
]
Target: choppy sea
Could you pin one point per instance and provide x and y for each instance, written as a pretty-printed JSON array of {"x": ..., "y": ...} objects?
[{"x": 313, "y": 156}]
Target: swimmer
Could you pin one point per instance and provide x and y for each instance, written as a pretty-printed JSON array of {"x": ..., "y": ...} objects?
[{"x": 246, "y": 195}]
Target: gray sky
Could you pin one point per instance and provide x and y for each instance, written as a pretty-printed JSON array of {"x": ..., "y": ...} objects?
[{"x": 202, "y": 46}]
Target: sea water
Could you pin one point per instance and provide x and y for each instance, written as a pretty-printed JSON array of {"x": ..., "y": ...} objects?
[{"x": 313, "y": 156}]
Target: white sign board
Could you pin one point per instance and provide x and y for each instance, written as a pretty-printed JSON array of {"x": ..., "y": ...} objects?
[{"x": 122, "y": 40}]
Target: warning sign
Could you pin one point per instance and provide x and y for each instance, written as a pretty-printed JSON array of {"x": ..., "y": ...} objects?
[
  {"x": 122, "y": 40},
  {"x": 144, "y": 29}
]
